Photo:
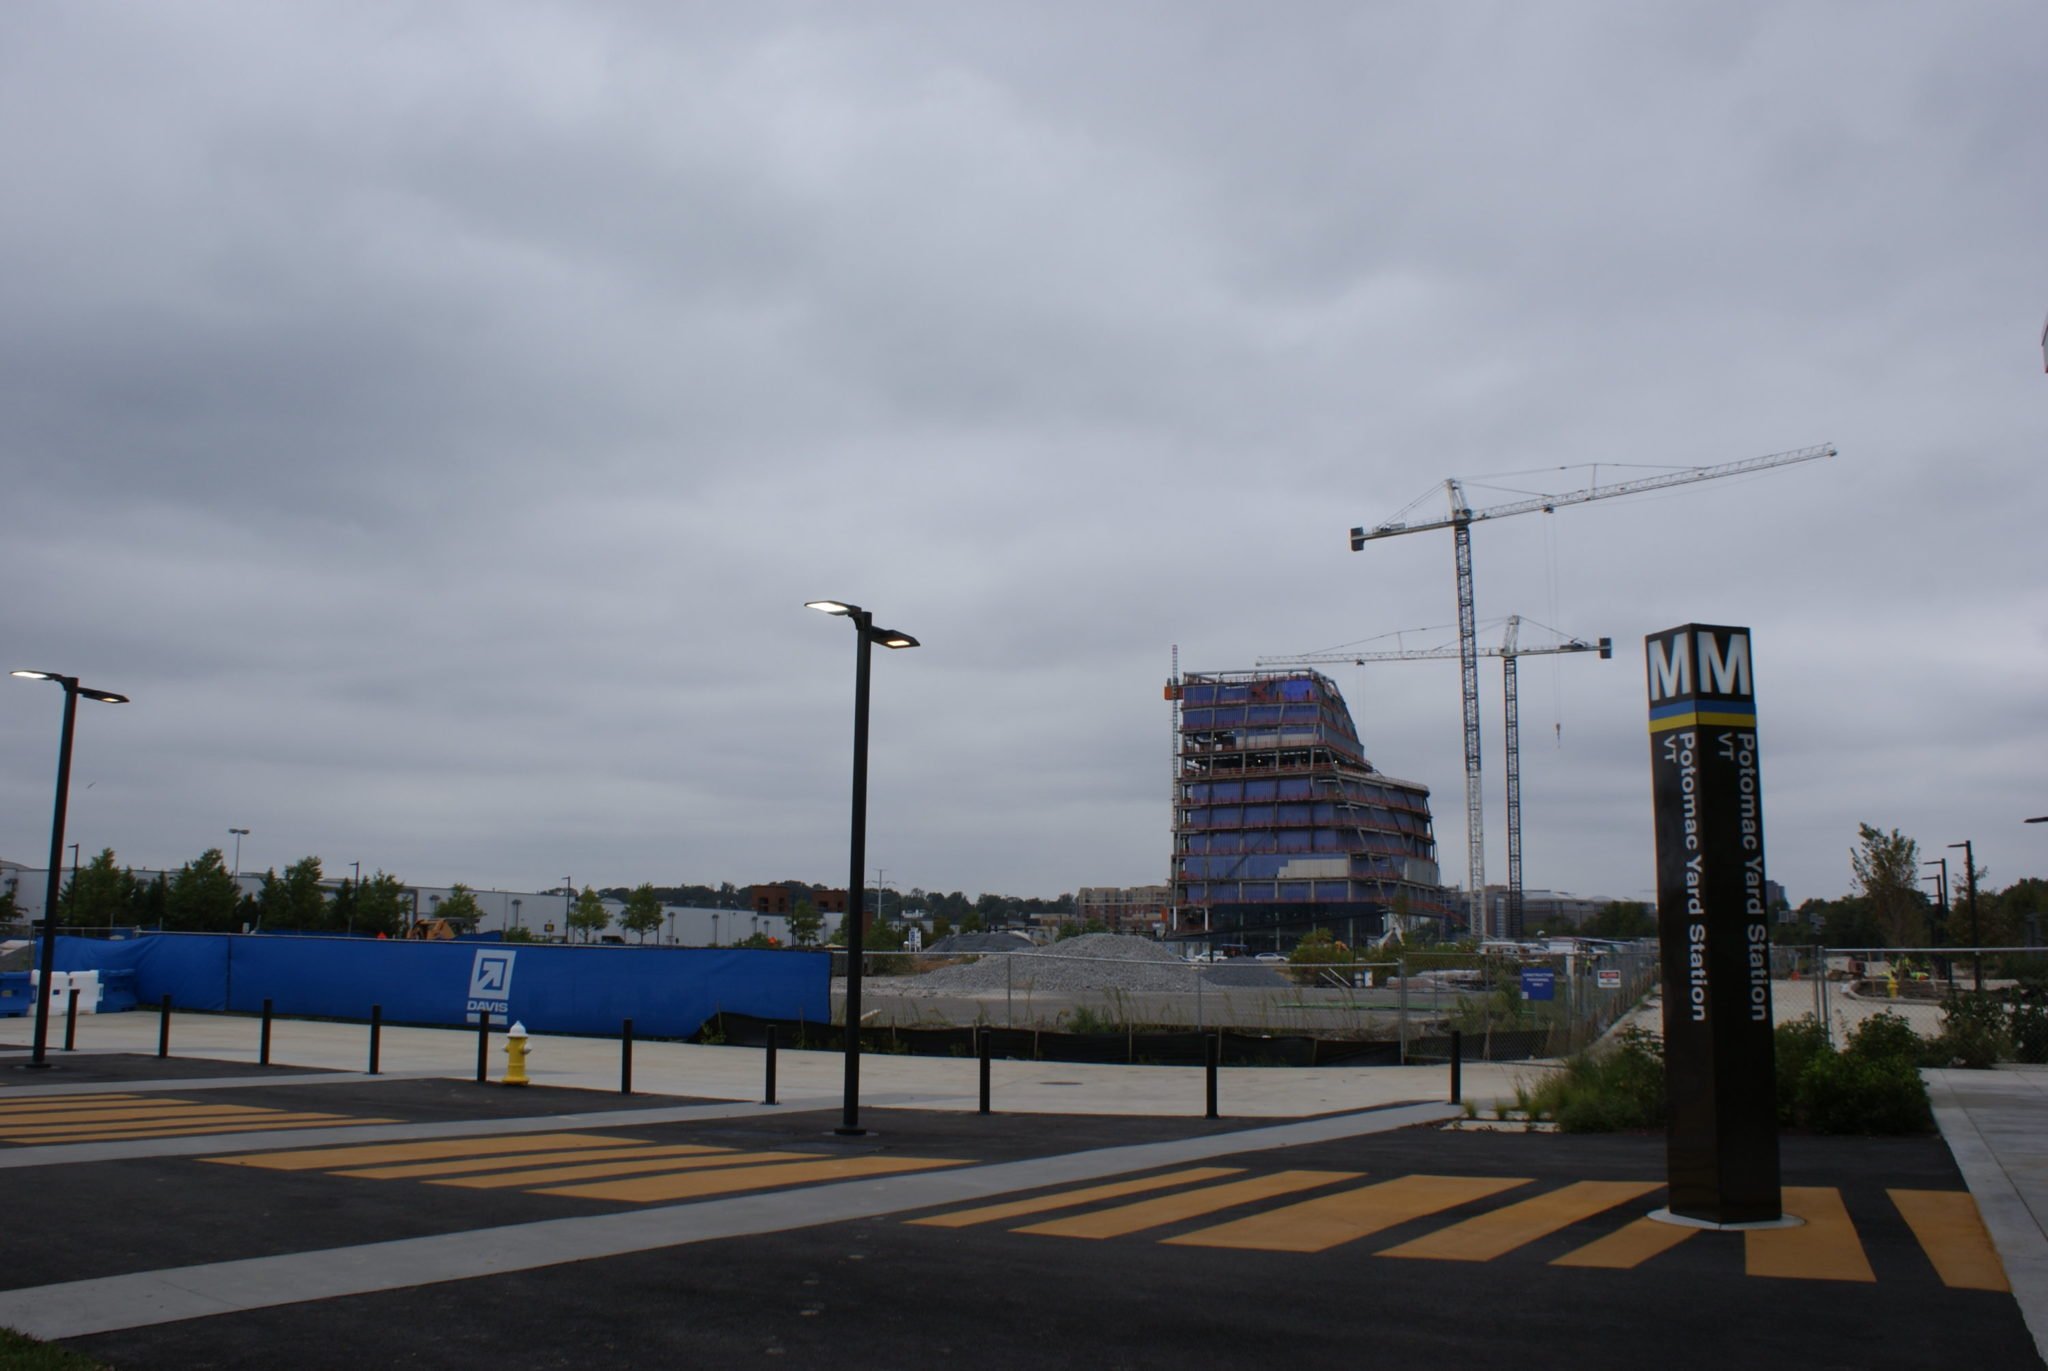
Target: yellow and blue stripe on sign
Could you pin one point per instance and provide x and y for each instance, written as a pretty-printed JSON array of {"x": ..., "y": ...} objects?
[{"x": 1702, "y": 714}]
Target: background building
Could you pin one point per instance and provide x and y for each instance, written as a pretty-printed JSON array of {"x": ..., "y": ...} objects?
[
  {"x": 1282, "y": 826},
  {"x": 1140, "y": 909}
]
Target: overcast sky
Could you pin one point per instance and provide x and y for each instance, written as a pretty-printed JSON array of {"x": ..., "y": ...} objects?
[{"x": 435, "y": 416}]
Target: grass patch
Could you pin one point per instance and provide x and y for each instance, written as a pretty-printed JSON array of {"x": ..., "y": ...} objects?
[{"x": 19, "y": 1353}]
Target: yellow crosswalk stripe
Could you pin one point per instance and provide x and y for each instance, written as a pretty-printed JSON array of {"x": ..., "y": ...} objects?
[
  {"x": 508, "y": 1161},
  {"x": 967, "y": 1218},
  {"x": 9, "y": 1107},
  {"x": 56, "y": 1123},
  {"x": 46, "y": 1101},
  {"x": 281, "y": 1123},
  {"x": 1330, "y": 1220},
  {"x": 552, "y": 1175},
  {"x": 1629, "y": 1246},
  {"x": 1499, "y": 1231},
  {"x": 1824, "y": 1248},
  {"x": 1187, "y": 1204},
  {"x": 694, "y": 1185},
  {"x": 320, "y": 1158},
  {"x": 1951, "y": 1233}
]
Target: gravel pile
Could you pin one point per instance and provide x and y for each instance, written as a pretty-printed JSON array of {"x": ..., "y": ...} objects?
[{"x": 1093, "y": 961}]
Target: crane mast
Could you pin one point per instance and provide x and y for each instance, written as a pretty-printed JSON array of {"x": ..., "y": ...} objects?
[
  {"x": 1460, "y": 520},
  {"x": 1508, "y": 651}
]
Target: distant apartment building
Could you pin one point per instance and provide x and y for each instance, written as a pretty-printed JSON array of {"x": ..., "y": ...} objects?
[
  {"x": 782, "y": 897},
  {"x": 1140, "y": 909},
  {"x": 1547, "y": 911}
]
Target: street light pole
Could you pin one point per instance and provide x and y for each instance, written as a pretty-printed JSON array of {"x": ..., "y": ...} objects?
[
  {"x": 39, "y": 1055},
  {"x": 866, "y": 635},
  {"x": 1976, "y": 931}
]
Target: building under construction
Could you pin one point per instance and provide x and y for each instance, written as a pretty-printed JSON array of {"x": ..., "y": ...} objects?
[{"x": 1281, "y": 825}]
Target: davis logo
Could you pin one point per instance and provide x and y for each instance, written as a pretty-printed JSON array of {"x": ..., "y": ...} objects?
[{"x": 490, "y": 985}]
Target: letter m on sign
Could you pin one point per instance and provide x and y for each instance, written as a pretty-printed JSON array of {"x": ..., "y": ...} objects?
[
  {"x": 1670, "y": 668},
  {"x": 1724, "y": 674}
]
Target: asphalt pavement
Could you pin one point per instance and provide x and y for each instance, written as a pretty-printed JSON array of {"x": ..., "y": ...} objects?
[{"x": 208, "y": 1211}]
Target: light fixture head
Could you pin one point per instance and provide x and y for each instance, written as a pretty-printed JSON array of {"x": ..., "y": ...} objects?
[
  {"x": 104, "y": 696},
  {"x": 37, "y": 675},
  {"x": 831, "y": 607},
  {"x": 889, "y": 637}
]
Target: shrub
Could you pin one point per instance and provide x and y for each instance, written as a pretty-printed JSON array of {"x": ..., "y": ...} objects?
[
  {"x": 1851, "y": 1093},
  {"x": 1975, "y": 1032},
  {"x": 1799, "y": 1042},
  {"x": 1606, "y": 1092},
  {"x": 2030, "y": 1032},
  {"x": 1885, "y": 1035}
]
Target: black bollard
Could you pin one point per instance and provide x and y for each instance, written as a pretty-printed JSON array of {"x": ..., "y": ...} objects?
[
  {"x": 263, "y": 1044},
  {"x": 163, "y": 1030},
  {"x": 483, "y": 1046},
  {"x": 984, "y": 1048},
  {"x": 1214, "y": 1046},
  {"x": 376, "y": 1034},
  {"x": 71, "y": 1021},
  {"x": 770, "y": 1067},
  {"x": 1457, "y": 1067},
  {"x": 626, "y": 1058}
]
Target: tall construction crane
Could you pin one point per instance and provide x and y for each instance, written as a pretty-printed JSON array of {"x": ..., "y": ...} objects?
[
  {"x": 1460, "y": 521},
  {"x": 1508, "y": 651}
]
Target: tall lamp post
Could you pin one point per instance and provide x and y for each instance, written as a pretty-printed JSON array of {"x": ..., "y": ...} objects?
[
  {"x": 72, "y": 690},
  {"x": 1976, "y": 932},
  {"x": 1940, "y": 879},
  {"x": 866, "y": 635}
]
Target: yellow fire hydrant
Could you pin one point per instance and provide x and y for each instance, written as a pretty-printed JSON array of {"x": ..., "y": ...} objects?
[{"x": 515, "y": 1056}]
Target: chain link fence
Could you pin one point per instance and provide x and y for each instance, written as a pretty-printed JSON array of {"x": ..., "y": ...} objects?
[
  {"x": 2002, "y": 990},
  {"x": 1401, "y": 1009}
]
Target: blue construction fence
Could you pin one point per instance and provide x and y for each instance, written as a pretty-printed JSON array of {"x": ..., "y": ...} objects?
[{"x": 668, "y": 992}]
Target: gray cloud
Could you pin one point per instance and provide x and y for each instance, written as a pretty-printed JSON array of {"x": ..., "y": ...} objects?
[{"x": 435, "y": 418}]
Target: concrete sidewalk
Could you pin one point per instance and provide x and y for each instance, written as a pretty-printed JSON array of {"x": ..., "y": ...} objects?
[
  {"x": 737, "y": 1073},
  {"x": 1996, "y": 1125}
]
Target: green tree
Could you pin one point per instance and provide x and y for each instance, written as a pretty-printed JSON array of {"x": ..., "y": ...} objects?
[
  {"x": 589, "y": 917},
  {"x": 460, "y": 907},
  {"x": 10, "y": 909},
  {"x": 379, "y": 906},
  {"x": 805, "y": 923},
  {"x": 151, "y": 899},
  {"x": 520, "y": 934},
  {"x": 942, "y": 927},
  {"x": 1887, "y": 867},
  {"x": 98, "y": 895},
  {"x": 643, "y": 911},
  {"x": 294, "y": 902},
  {"x": 1315, "y": 955},
  {"x": 203, "y": 896},
  {"x": 1622, "y": 919}
]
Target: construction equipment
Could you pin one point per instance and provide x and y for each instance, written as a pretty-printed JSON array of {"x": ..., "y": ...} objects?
[
  {"x": 1460, "y": 521},
  {"x": 1508, "y": 651},
  {"x": 433, "y": 930}
]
